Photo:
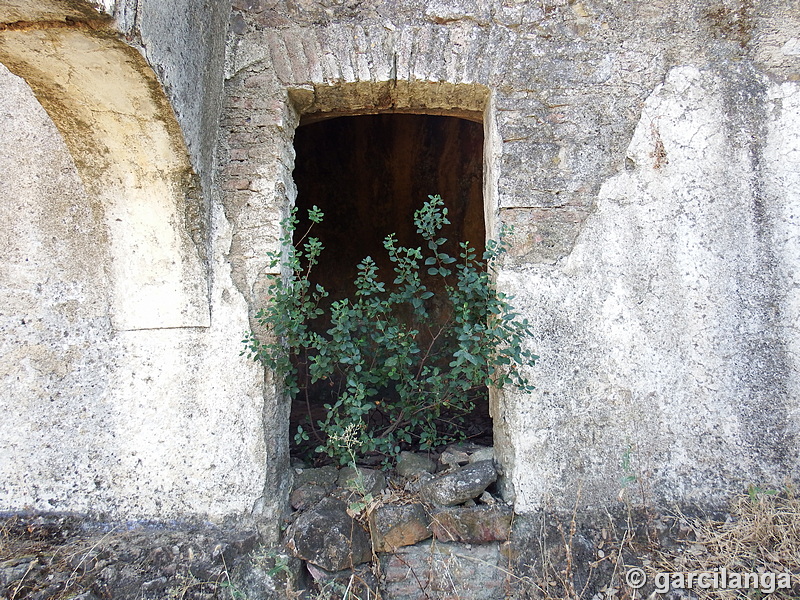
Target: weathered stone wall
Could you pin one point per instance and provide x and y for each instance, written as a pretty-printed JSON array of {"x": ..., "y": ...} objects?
[
  {"x": 184, "y": 42},
  {"x": 676, "y": 307},
  {"x": 645, "y": 153},
  {"x": 122, "y": 388}
]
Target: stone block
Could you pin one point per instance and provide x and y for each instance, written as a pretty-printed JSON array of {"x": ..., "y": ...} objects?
[
  {"x": 307, "y": 495},
  {"x": 482, "y": 454},
  {"x": 472, "y": 525},
  {"x": 412, "y": 464},
  {"x": 458, "y": 455},
  {"x": 394, "y": 526},
  {"x": 362, "y": 481},
  {"x": 328, "y": 537},
  {"x": 323, "y": 476},
  {"x": 312, "y": 485},
  {"x": 459, "y": 486},
  {"x": 437, "y": 571}
]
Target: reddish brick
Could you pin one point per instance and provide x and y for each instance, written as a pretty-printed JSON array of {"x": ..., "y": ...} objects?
[
  {"x": 261, "y": 119},
  {"x": 236, "y": 184},
  {"x": 472, "y": 525},
  {"x": 234, "y": 120},
  {"x": 244, "y": 102},
  {"x": 239, "y": 154},
  {"x": 260, "y": 80},
  {"x": 238, "y": 168},
  {"x": 241, "y": 140}
]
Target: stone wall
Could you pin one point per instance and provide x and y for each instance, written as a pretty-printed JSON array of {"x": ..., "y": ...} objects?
[
  {"x": 644, "y": 152},
  {"x": 686, "y": 365},
  {"x": 123, "y": 391}
]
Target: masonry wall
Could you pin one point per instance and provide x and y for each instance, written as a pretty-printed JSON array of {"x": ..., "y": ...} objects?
[
  {"x": 122, "y": 387},
  {"x": 646, "y": 154}
]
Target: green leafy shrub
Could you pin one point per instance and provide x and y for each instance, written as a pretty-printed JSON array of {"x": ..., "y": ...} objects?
[{"x": 401, "y": 363}]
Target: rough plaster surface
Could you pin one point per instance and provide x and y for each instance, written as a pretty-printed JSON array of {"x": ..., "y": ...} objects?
[
  {"x": 119, "y": 359},
  {"x": 131, "y": 155},
  {"x": 643, "y": 153},
  {"x": 646, "y": 152},
  {"x": 55, "y": 311},
  {"x": 671, "y": 348},
  {"x": 13, "y": 11},
  {"x": 782, "y": 170},
  {"x": 184, "y": 42}
]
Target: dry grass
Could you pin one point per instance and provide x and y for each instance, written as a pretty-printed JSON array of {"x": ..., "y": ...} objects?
[
  {"x": 762, "y": 535},
  {"x": 55, "y": 558},
  {"x": 29, "y": 550}
]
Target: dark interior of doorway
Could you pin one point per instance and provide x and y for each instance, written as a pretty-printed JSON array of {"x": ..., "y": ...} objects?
[{"x": 369, "y": 174}]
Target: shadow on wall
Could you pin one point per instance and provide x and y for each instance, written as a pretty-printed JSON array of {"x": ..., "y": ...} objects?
[{"x": 120, "y": 394}]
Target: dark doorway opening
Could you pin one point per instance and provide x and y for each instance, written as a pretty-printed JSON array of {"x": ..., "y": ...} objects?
[{"x": 369, "y": 174}]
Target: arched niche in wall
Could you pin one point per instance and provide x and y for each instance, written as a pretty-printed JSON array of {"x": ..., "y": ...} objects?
[
  {"x": 117, "y": 394},
  {"x": 123, "y": 137}
]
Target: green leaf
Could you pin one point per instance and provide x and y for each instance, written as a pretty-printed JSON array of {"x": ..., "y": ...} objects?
[{"x": 372, "y": 356}]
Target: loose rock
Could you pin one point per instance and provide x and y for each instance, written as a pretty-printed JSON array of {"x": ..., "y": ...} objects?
[
  {"x": 482, "y": 454},
  {"x": 459, "y": 486},
  {"x": 360, "y": 581},
  {"x": 394, "y": 526},
  {"x": 328, "y": 537},
  {"x": 460, "y": 454},
  {"x": 411, "y": 464},
  {"x": 307, "y": 495},
  {"x": 487, "y": 498},
  {"x": 372, "y": 481},
  {"x": 453, "y": 458},
  {"x": 312, "y": 485},
  {"x": 324, "y": 477}
]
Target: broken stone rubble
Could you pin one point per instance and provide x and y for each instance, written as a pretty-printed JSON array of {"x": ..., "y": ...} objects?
[
  {"x": 311, "y": 486},
  {"x": 326, "y": 536},
  {"x": 361, "y": 480},
  {"x": 459, "y": 486},
  {"x": 62, "y": 556},
  {"x": 336, "y": 543},
  {"x": 412, "y": 464}
]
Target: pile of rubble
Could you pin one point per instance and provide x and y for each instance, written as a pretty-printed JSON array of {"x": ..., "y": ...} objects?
[
  {"x": 429, "y": 529},
  {"x": 60, "y": 557}
]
